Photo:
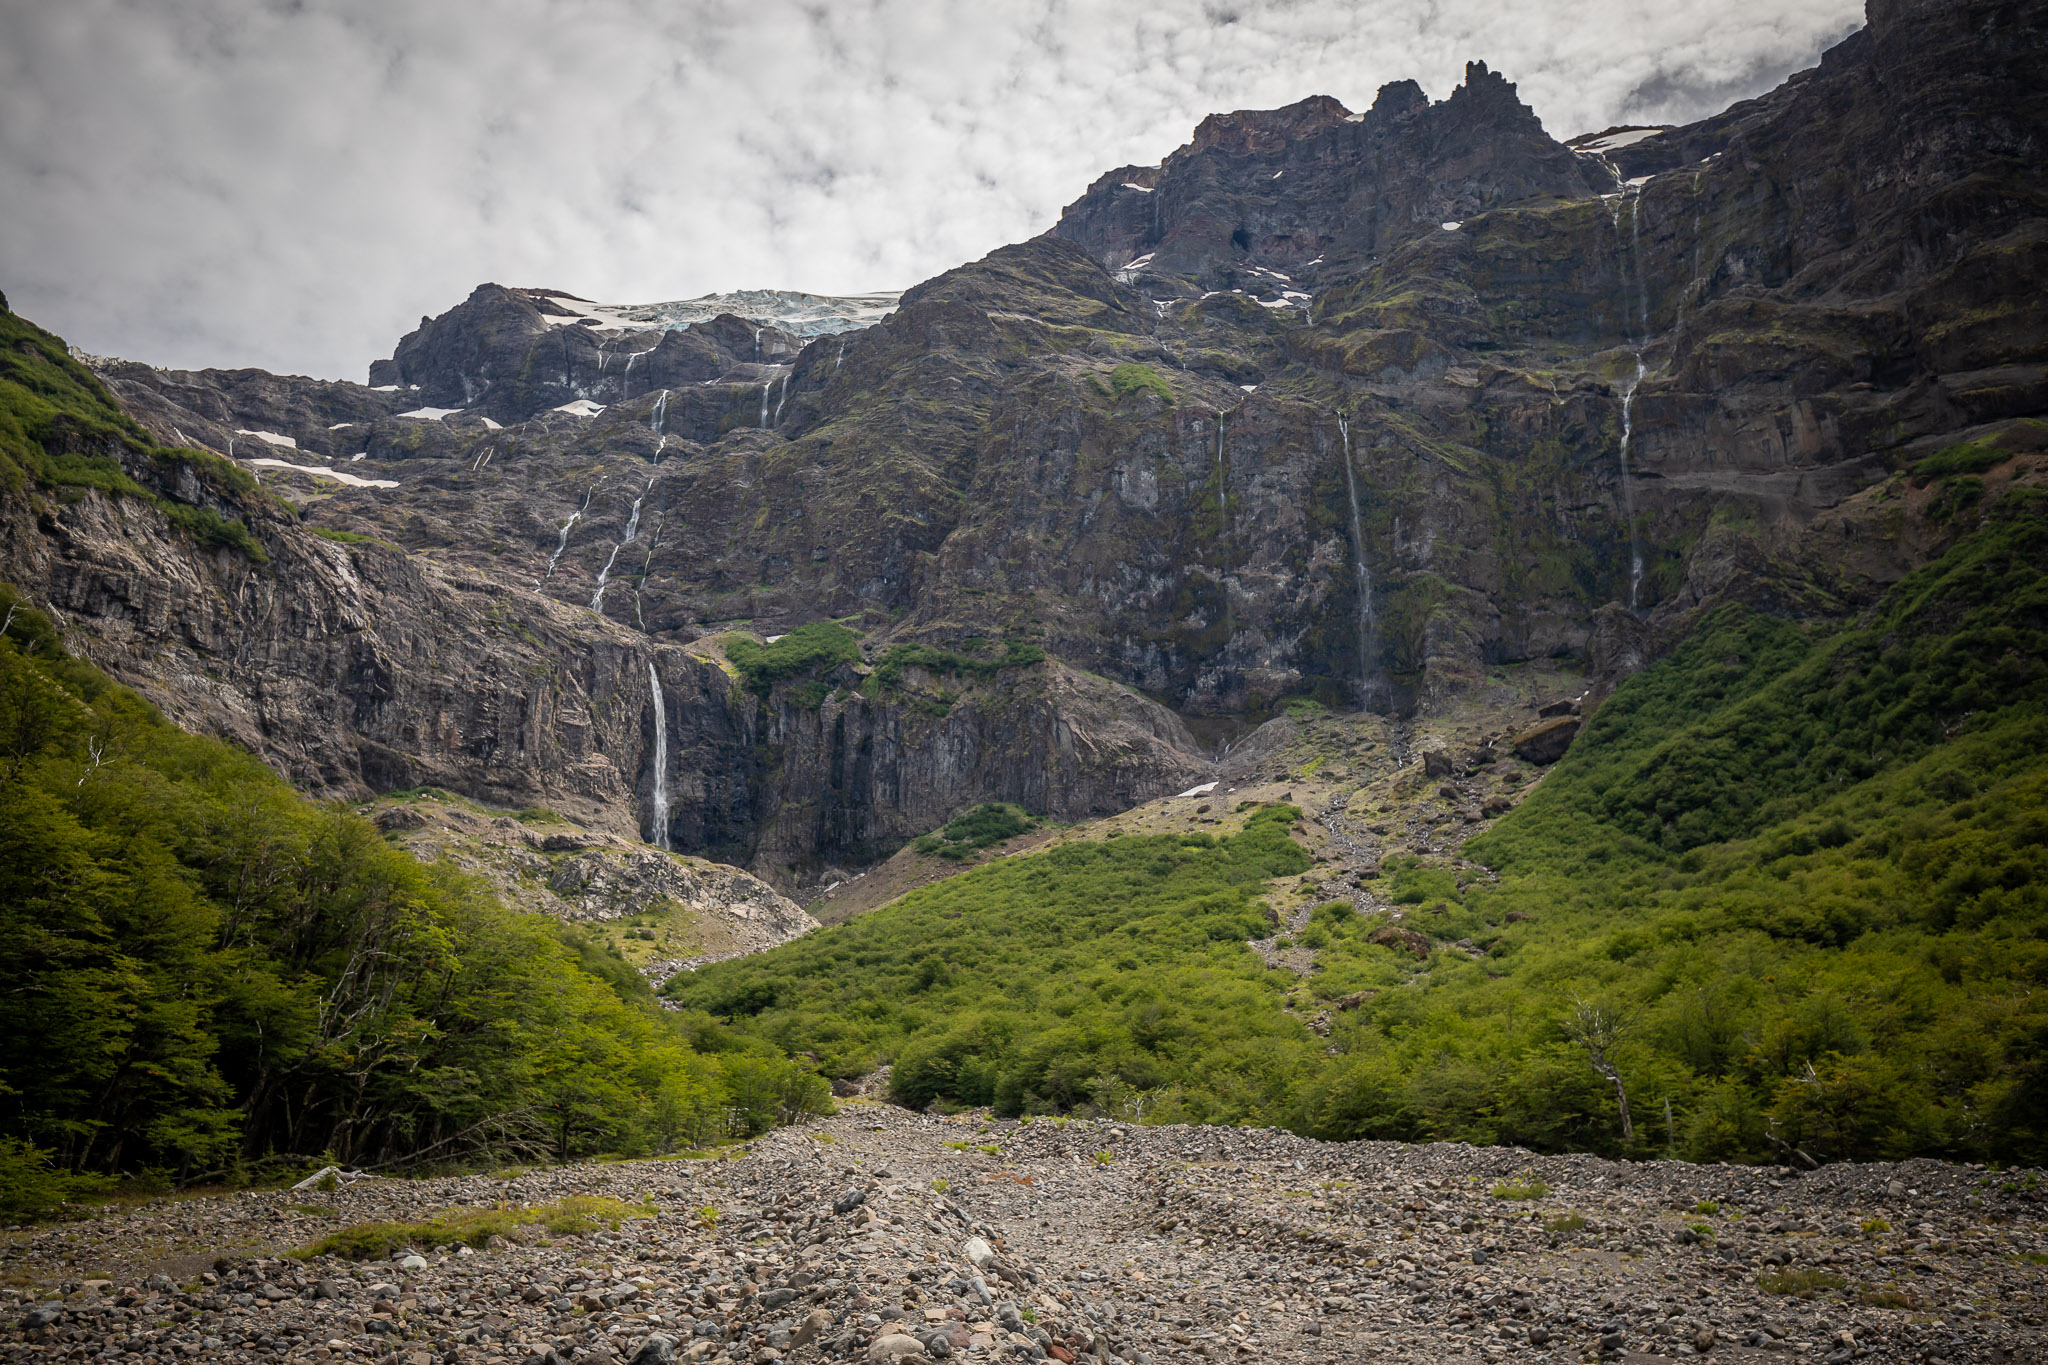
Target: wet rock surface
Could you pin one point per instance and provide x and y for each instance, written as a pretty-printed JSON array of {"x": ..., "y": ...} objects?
[{"x": 879, "y": 1234}]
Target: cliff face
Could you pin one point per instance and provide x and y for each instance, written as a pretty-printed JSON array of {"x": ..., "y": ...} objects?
[{"x": 1356, "y": 407}]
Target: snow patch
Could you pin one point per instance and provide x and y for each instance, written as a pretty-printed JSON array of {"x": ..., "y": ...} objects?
[
  {"x": 582, "y": 407},
  {"x": 269, "y": 437},
  {"x": 1249, "y": 388},
  {"x": 339, "y": 425},
  {"x": 323, "y": 472},
  {"x": 1452, "y": 227},
  {"x": 802, "y": 315},
  {"x": 1141, "y": 262},
  {"x": 384, "y": 388},
  {"x": 1613, "y": 141},
  {"x": 493, "y": 426},
  {"x": 1202, "y": 790},
  {"x": 430, "y": 414},
  {"x": 1142, "y": 189}
]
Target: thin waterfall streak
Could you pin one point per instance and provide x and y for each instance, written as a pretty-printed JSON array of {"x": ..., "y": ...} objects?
[
  {"x": 766, "y": 385},
  {"x": 780, "y": 399},
  {"x": 658, "y": 816},
  {"x": 657, "y": 419},
  {"x": 1366, "y": 624},
  {"x": 632, "y": 533},
  {"x": 563, "y": 543},
  {"x": 1222, "y": 490}
]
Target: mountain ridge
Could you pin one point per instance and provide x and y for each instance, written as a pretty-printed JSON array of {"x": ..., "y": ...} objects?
[{"x": 1393, "y": 400}]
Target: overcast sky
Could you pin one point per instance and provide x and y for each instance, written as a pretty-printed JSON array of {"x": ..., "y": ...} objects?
[{"x": 292, "y": 183}]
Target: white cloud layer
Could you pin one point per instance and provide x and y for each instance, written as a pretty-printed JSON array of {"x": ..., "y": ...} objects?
[{"x": 291, "y": 183}]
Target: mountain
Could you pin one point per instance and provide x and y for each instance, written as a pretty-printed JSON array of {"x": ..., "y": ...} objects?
[{"x": 1415, "y": 411}]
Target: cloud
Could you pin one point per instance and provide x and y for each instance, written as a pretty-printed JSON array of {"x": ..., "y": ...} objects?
[{"x": 291, "y": 183}]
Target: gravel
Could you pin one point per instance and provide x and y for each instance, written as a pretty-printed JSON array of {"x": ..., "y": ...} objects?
[{"x": 883, "y": 1235}]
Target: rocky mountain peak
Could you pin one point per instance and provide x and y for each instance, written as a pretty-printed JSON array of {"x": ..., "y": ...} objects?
[
  {"x": 1314, "y": 184},
  {"x": 1248, "y": 132}
]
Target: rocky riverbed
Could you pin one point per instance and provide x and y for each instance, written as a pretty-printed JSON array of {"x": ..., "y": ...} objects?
[{"x": 878, "y": 1234}]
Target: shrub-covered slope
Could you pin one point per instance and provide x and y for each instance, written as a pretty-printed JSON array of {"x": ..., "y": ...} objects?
[
  {"x": 1786, "y": 899},
  {"x": 200, "y": 969}
]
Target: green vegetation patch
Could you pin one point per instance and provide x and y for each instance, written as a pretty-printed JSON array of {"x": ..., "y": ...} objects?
[
  {"x": 1531, "y": 1188},
  {"x": 1802, "y": 1283},
  {"x": 988, "y": 824},
  {"x": 474, "y": 1227},
  {"x": 60, "y": 428},
  {"x": 1043, "y": 982},
  {"x": 1128, "y": 379},
  {"x": 888, "y": 674},
  {"x": 817, "y": 647}
]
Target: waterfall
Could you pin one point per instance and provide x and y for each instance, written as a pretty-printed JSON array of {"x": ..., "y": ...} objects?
[
  {"x": 1628, "y": 394},
  {"x": 842, "y": 358},
  {"x": 1628, "y": 496},
  {"x": 653, "y": 544},
  {"x": 567, "y": 526},
  {"x": 1367, "y": 626},
  {"x": 658, "y": 418},
  {"x": 626, "y": 381},
  {"x": 1222, "y": 492},
  {"x": 1223, "y": 530},
  {"x": 766, "y": 385},
  {"x": 1632, "y": 197},
  {"x": 632, "y": 533},
  {"x": 659, "y": 815},
  {"x": 782, "y": 398}
]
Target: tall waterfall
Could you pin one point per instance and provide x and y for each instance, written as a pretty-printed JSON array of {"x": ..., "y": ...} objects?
[
  {"x": 782, "y": 398},
  {"x": 658, "y": 816},
  {"x": 632, "y": 532},
  {"x": 1634, "y": 198},
  {"x": 766, "y": 386},
  {"x": 1222, "y": 531},
  {"x": 1367, "y": 624},
  {"x": 1631, "y": 197},
  {"x": 1628, "y": 491},
  {"x": 657, "y": 419}
]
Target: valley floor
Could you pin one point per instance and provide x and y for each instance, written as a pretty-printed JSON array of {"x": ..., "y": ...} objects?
[{"x": 878, "y": 1232}]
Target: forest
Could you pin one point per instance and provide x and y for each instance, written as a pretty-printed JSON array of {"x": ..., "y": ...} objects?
[{"x": 205, "y": 976}]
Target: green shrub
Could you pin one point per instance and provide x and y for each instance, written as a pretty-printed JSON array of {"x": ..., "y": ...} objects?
[
  {"x": 1801, "y": 1283},
  {"x": 1531, "y": 1188},
  {"x": 888, "y": 674},
  {"x": 1967, "y": 457},
  {"x": 33, "y": 1189}
]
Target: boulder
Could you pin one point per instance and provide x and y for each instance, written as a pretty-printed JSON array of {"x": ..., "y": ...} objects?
[{"x": 1547, "y": 742}]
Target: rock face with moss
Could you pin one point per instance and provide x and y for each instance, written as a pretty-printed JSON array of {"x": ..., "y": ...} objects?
[{"x": 1346, "y": 406}]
